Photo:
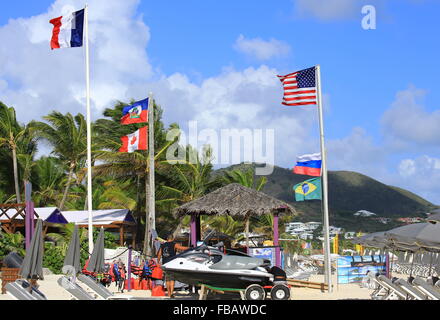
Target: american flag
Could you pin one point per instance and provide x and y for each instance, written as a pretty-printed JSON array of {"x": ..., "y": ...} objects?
[{"x": 299, "y": 88}]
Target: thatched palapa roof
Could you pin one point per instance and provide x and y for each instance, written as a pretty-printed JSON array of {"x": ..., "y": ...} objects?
[{"x": 235, "y": 200}]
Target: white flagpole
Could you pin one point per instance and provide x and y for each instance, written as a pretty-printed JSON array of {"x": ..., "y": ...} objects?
[
  {"x": 89, "y": 136},
  {"x": 150, "y": 222},
  {"x": 327, "y": 257},
  {"x": 152, "y": 206}
]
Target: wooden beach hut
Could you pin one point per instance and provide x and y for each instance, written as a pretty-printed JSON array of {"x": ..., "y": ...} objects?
[
  {"x": 239, "y": 202},
  {"x": 119, "y": 220}
]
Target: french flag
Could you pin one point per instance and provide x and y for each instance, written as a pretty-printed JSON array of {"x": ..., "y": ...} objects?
[
  {"x": 309, "y": 165},
  {"x": 135, "y": 141},
  {"x": 68, "y": 30}
]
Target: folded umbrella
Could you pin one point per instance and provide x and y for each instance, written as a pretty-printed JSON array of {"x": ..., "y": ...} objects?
[
  {"x": 96, "y": 262},
  {"x": 32, "y": 266},
  {"x": 73, "y": 254}
]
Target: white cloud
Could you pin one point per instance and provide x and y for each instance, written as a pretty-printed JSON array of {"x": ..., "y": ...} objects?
[
  {"x": 356, "y": 152},
  {"x": 250, "y": 98},
  {"x": 261, "y": 49},
  {"x": 36, "y": 80},
  {"x": 421, "y": 175},
  {"x": 326, "y": 9},
  {"x": 407, "y": 168},
  {"x": 407, "y": 125},
  {"x": 329, "y": 10},
  {"x": 39, "y": 80}
]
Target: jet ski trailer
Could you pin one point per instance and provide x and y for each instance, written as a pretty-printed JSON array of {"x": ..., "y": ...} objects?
[{"x": 208, "y": 266}]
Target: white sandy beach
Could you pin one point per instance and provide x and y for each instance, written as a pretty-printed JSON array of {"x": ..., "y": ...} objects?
[{"x": 53, "y": 291}]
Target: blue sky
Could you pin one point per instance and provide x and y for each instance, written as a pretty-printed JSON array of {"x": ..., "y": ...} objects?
[{"x": 381, "y": 92}]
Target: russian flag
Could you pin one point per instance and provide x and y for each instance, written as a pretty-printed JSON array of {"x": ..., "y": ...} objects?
[
  {"x": 136, "y": 113},
  {"x": 135, "y": 141},
  {"x": 309, "y": 165},
  {"x": 68, "y": 30}
]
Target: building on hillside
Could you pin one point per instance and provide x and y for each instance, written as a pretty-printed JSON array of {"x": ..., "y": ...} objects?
[
  {"x": 349, "y": 235},
  {"x": 364, "y": 213},
  {"x": 306, "y": 236},
  {"x": 313, "y": 225},
  {"x": 383, "y": 220},
  {"x": 334, "y": 230},
  {"x": 410, "y": 220},
  {"x": 294, "y": 225}
]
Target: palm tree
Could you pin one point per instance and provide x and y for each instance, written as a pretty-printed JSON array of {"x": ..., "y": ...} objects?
[
  {"x": 10, "y": 133},
  {"x": 3, "y": 197},
  {"x": 188, "y": 181},
  {"x": 63, "y": 237},
  {"x": 26, "y": 150},
  {"x": 225, "y": 224},
  {"x": 67, "y": 135},
  {"x": 131, "y": 167},
  {"x": 6, "y": 172},
  {"x": 12, "y": 242},
  {"x": 247, "y": 179},
  {"x": 113, "y": 194},
  {"x": 48, "y": 178}
]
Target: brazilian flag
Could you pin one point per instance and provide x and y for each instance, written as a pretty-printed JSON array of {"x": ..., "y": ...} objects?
[{"x": 308, "y": 190}]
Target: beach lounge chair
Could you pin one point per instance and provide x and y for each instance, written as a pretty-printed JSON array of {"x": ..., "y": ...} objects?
[
  {"x": 98, "y": 288},
  {"x": 35, "y": 292},
  {"x": 380, "y": 292},
  {"x": 429, "y": 290},
  {"x": 74, "y": 289},
  {"x": 17, "y": 292},
  {"x": 394, "y": 291},
  {"x": 20, "y": 290},
  {"x": 437, "y": 283},
  {"x": 412, "y": 292},
  {"x": 103, "y": 293}
]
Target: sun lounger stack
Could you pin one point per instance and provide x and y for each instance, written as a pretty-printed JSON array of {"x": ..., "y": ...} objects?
[
  {"x": 427, "y": 288},
  {"x": 101, "y": 291},
  {"x": 96, "y": 291},
  {"x": 75, "y": 290},
  {"x": 420, "y": 264},
  {"x": 21, "y": 290},
  {"x": 401, "y": 289},
  {"x": 412, "y": 292},
  {"x": 296, "y": 270}
]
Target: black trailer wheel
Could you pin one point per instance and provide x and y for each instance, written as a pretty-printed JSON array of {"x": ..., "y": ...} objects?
[
  {"x": 280, "y": 292},
  {"x": 255, "y": 292}
]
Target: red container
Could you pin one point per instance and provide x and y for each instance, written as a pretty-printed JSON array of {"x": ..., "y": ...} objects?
[
  {"x": 144, "y": 284},
  {"x": 157, "y": 273},
  {"x": 158, "y": 291},
  {"x": 132, "y": 284}
]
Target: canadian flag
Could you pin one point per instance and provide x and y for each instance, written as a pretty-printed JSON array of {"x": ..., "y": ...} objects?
[{"x": 135, "y": 141}]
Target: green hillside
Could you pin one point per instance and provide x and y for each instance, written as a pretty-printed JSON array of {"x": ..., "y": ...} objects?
[{"x": 348, "y": 193}]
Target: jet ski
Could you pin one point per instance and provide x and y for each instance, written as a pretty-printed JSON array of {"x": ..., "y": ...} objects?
[{"x": 210, "y": 266}]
